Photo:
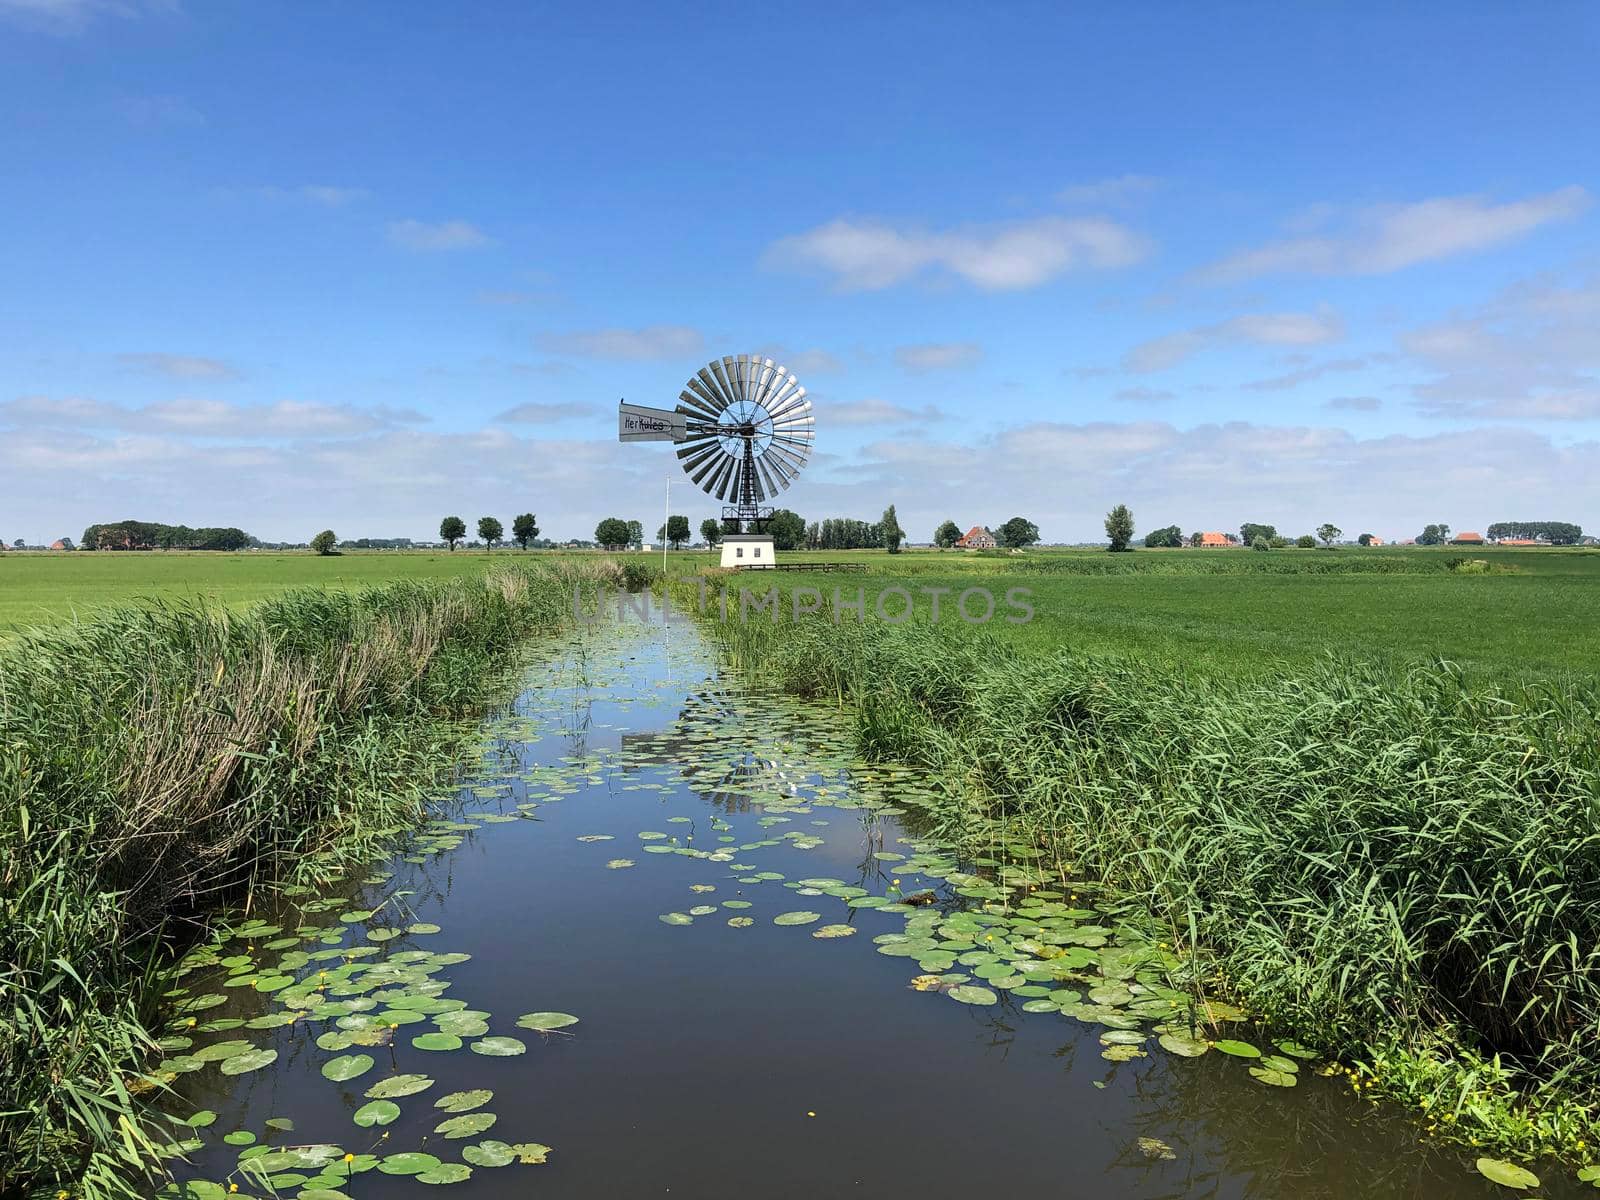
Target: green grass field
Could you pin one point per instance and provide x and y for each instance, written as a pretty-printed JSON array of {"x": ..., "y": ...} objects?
[{"x": 1536, "y": 613}]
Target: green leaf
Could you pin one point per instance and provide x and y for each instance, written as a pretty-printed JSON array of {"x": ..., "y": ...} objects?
[
  {"x": 253, "y": 1060},
  {"x": 396, "y": 1086},
  {"x": 498, "y": 1047},
  {"x": 201, "y": 1119},
  {"x": 460, "y": 1102},
  {"x": 834, "y": 931},
  {"x": 411, "y": 1162},
  {"x": 466, "y": 1125},
  {"x": 1274, "y": 1077},
  {"x": 446, "y": 1173},
  {"x": 1507, "y": 1174},
  {"x": 676, "y": 918},
  {"x": 800, "y": 917},
  {"x": 376, "y": 1112},
  {"x": 545, "y": 1021},
  {"x": 489, "y": 1154},
  {"x": 346, "y": 1066},
  {"x": 239, "y": 1137},
  {"x": 1237, "y": 1049},
  {"x": 1183, "y": 1045},
  {"x": 531, "y": 1152},
  {"x": 968, "y": 993},
  {"x": 436, "y": 1041}
]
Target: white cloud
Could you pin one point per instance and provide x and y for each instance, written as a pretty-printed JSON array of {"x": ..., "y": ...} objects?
[
  {"x": 546, "y": 414},
  {"x": 638, "y": 345},
  {"x": 938, "y": 356},
  {"x": 804, "y": 362},
  {"x": 1292, "y": 379},
  {"x": 442, "y": 235},
  {"x": 875, "y": 411},
  {"x": 1532, "y": 352},
  {"x": 871, "y": 255},
  {"x": 1266, "y": 329},
  {"x": 1353, "y": 404},
  {"x": 1144, "y": 395},
  {"x": 204, "y": 418},
  {"x": 64, "y": 473},
  {"x": 1118, "y": 190},
  {"x": 1385, "y": 238},
  {"x": 178, "y": 366},
  {"x": 74, "y": 16}
]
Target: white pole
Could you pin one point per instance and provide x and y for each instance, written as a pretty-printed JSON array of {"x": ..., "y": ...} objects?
[{"x": 665, "y": 518}]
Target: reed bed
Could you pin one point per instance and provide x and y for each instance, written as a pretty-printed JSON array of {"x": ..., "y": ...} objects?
[
  {"x": 1401, "y": 866},
  {"x": 157, "y": 761}
]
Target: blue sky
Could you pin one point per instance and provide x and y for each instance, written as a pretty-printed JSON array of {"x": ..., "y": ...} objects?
[{"x": 363, "y": 265}]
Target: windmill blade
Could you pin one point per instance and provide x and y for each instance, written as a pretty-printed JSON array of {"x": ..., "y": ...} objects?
[
  {"x": 795, "y": 402},
  {"x": 706, "y": 386},
  {"x": 719, "y": 404},
  {"x": 695, "y": 405}
]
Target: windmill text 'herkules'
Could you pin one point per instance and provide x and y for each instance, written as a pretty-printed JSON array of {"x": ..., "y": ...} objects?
[{"x": 744, "y": 430}]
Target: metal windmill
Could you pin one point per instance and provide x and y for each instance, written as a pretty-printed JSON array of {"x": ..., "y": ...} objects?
[{"x": 744, "y": 429}]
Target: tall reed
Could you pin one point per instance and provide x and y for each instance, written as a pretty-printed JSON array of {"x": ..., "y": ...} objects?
[
  {"x": 155, "y": 761},
  {"x": 1378, "y": 860}
]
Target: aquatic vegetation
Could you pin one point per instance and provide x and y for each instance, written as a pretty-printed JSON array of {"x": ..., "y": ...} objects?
[
  {"x": 163, "y": 760},
  {"x": 1388, "y": 863}
]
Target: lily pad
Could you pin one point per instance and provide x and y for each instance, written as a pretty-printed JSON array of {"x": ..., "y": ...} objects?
[
  {"x": 446, "y": 1173},
  {"x": 676, "y": 918},
  {"x": 544, "y": 1021},
  {"x": 346, "y": 1066},
  {"x": 834, "y": 931},
  {"x": 498, "y": 1047},
  {"x": 1183, "y": 1045},
  {"x": 489, "y": 1154},
  {"x": 252, "y": 1060},
  {"x": 412, "y": 1162},
  {"x": 1507, "y": 1174},
  {"x": 1237, "y": 1049},
  {"x": 436, "y": 1041},
  {"x": 460, "y": 1102},
  {"x": 969, "y": 993},
  {"x": 531, "y": 1152},
  {"x": 617, "y": 864},
  {"x": 741, "y": 922},
  {"x": 1274, "y": 1077},
  {"x": 799, "y": 917},
  {"x": 376, "y": 1112},
  {"x": 466, "y": 1125},
  {"x": 398, "y": 1085}
]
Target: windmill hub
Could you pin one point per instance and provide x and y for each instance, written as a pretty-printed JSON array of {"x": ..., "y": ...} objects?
[{"x": 744, "y": 430}]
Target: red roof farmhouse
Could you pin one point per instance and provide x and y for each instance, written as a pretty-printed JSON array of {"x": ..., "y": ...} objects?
[{"x": 976, "y": 538}]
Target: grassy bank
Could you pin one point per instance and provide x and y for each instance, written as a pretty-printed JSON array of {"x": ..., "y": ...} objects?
[
  {"x": 157, "y": 762},
  {"x": 1400, "y": 866}
]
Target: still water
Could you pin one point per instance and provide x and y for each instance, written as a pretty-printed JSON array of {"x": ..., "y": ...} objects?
[{"x": 628, "y": 783}]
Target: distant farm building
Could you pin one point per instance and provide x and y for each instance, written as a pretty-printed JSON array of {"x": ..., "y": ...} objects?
[
  {"x": 1374, "y": 541},
  {"x": 976, "y": 538},
  {"x": 58, "y": 544},
  {"x": 1208, "y": 540},
  {"x": 1467, "y": 539},
  {"x": 1517, "y": 542}
]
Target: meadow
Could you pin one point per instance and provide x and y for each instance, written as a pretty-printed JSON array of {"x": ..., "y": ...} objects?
[{"x": 1236, "y": 611}]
